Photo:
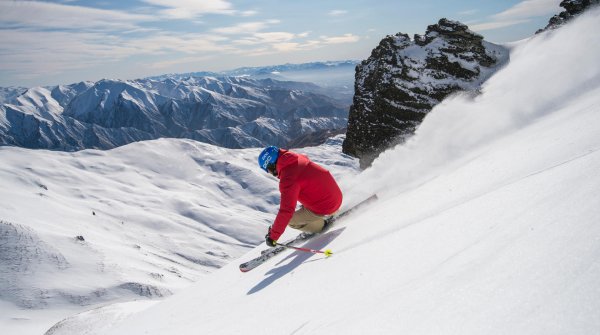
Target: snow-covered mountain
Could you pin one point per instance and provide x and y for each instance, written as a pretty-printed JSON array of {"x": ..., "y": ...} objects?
[
  {"x": 233, "y": 112},
  {"x": 403, "y": 79},
  {"x": 83, "y": 229},
  {"x": 334, "y": 78},
  {"x": 8, "y": 94},
  {"x": 331, "y": 74},
  {"x": 486, "y": 224}
]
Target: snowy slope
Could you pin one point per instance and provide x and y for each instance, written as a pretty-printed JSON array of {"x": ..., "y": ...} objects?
[
  {"x": 153, "y": 217},
  {"x": 486, "y": 224}
]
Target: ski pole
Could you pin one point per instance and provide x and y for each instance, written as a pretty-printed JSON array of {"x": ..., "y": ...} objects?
[{"x": 326, "y": 252}]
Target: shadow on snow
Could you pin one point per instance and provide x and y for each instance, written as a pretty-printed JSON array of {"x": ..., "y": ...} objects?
[{"x": 297, "y": 258}]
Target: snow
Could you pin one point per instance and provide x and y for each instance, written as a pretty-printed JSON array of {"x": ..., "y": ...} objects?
[
  {"x": 155, "y": 216},
  {"x": 38, "y": 101},
  {"x": 414, "y": 65},
  {"x": 9, "y": 94},
  {"x": 488, "y": 227},
  {"x": 486, "y": 221}
]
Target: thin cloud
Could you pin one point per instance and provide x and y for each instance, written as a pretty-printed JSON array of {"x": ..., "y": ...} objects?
[
  {"x": 287, "y": 47},
  {"x": 45, "y": 15},
  {"x": 179, "y": 61},
  {"x": 338, "y": 12},
  {"x": 314, "y": 44},
  {"x": 278, "y": 42},
  {"x": 248, "y": 13},
  {"x": 346, "y": 38},
  {"x": 274, "y": 37},
  {"x": 187, "y": 9},
  {"x": 185, "y": 43},
  {"x": 468, "y": 12},
  {"x": 496, "y": 24},
  {"x": 30, "y": 54},
  {"x": 48, "y": 53},
  {"x": 266, "y": 38},
  {"x": 245, "y": 28}
]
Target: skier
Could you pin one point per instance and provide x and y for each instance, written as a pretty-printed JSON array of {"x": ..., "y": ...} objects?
[{"x": 300, "y": 180}]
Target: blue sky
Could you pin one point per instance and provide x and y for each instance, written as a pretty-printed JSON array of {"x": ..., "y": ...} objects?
[{"x": 62, "y": 42}]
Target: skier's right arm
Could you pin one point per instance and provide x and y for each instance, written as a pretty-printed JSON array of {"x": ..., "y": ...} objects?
[{"x": 289, "y": 197}]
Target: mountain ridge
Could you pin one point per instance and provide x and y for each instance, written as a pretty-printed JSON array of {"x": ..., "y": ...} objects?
[{"x": 233, "y": 112}]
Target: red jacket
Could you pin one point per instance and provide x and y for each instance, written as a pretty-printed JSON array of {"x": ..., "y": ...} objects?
[{"x": 305, "y": 181}]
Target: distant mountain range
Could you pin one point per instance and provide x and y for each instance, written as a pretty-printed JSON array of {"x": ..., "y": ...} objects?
[
  {"x": 230, "y": 111},
  {"x": 334, "y": 78},
  {"x": 327, "y": 74}
]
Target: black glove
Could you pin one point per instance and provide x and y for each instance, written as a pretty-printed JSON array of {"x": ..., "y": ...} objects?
[{"x": 270, "y": 242}]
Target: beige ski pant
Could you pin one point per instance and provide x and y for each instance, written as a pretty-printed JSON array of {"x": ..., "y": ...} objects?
[{"x": 307, "y": 221}]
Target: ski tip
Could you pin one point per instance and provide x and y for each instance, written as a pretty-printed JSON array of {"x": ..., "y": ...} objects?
[{"x": 328, "y": 252}]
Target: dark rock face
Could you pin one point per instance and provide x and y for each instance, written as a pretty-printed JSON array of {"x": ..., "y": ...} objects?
[
  {"x": 403, "y": 79},
  {"x": 572, "y": 9}
]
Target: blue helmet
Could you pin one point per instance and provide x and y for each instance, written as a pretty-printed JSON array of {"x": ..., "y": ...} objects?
[{"x": 268, "y": 156}]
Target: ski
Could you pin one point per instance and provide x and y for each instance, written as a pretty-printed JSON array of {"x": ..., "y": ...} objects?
[{"x": 272, "y": 252}]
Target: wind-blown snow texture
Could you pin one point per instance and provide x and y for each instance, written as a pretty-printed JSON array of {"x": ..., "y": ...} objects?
[{"x": 487, "y": 224}]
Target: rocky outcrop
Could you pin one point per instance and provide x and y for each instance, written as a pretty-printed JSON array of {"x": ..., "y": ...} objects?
[
  {"x": 403, "y": 79},
  {"x": 572, "y": 9}
]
